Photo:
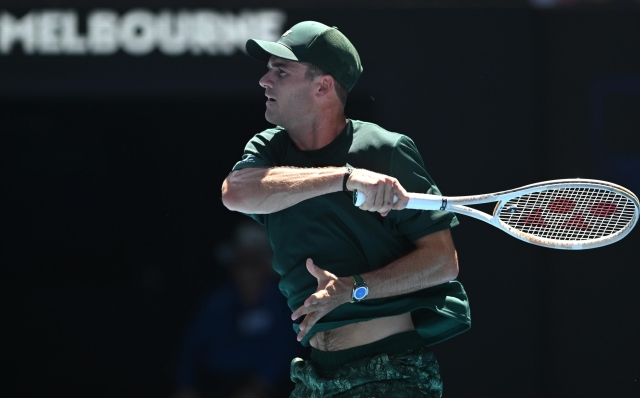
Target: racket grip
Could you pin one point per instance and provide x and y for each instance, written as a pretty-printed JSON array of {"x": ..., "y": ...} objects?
[{"x": 359, "y": 198}]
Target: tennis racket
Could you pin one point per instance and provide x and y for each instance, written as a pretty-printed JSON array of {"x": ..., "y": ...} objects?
[{"x": 570, "y": 214}]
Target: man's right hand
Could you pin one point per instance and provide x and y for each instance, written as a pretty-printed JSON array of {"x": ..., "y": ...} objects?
[{"x": 379, "y": 190}]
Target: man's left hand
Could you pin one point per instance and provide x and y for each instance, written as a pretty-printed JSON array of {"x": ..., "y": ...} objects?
[{"x": 332, "y": 291}]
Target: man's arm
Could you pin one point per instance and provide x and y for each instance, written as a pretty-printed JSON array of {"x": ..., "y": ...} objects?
[
  {"x": 433, "y": 262},
  {"x": 267, "y": 190}
]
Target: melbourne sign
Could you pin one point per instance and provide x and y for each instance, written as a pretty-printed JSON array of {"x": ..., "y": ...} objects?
[{"x": 137, "y": 32}]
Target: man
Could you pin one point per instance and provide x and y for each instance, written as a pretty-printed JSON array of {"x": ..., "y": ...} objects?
[{"x": 371, "y": 287}]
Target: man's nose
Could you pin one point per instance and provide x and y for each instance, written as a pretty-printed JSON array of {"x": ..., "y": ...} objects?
[{"x": 265, "y": 82}]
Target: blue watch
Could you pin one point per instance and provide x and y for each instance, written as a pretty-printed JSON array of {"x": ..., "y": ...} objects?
[{"x": 360, "y": 289}]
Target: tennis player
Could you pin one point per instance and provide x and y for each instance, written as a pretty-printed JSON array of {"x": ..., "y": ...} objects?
[{"x": 370, "y": 288}]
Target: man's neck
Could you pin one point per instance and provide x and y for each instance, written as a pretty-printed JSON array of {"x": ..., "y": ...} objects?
[{"x": 318, "y": 134}]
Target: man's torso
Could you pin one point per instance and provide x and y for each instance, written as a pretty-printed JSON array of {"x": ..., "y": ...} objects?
[{"x": 339, "y": 237}]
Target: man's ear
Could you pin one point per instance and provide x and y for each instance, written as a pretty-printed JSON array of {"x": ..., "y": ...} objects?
[{"x": 325, "y": 85}]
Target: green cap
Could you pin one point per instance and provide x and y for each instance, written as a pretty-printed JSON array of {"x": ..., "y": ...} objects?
[{"x": 323, "y": 46}]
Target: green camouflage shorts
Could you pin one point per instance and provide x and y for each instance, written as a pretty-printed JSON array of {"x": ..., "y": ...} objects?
[{"x": 396, "y": 367}]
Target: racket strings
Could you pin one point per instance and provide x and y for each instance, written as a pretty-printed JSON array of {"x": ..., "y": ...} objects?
[{"x": 569, "y": 213}]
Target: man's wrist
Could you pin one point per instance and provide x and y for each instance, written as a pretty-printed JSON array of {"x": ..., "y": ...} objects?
[{"x": 346, "y": 284}]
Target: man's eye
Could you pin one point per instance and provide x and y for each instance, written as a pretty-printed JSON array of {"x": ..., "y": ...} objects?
[{"x": 280, "y": 71}]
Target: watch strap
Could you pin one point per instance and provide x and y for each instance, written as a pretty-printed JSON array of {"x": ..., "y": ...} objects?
[{"x": 347, "y": 174}]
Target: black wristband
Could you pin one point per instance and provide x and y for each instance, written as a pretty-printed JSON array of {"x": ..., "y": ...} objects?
[{"x": 347, "y": 174}]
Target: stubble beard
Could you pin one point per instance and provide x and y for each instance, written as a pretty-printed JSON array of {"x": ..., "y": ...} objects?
[
  {"x": 291, "y": 110},
  {"x": 277, "y": 116},
  {"x": 271, "y": 116}
]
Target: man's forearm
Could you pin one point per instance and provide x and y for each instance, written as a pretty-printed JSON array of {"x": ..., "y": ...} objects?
[
  {"x": 433, "y": 262},
  {"x": 262, "y": 190}
]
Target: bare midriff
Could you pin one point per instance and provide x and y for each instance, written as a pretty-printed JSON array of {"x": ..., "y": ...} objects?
[{"x": 361, "y": 333}]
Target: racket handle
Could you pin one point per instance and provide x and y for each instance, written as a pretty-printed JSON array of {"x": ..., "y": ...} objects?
[
  {"x": 359, "y": 198},
  {"x": 418, "y": 201}
]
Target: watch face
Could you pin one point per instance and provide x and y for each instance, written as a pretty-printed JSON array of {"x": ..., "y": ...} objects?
[{"x": 360, "y": 292}]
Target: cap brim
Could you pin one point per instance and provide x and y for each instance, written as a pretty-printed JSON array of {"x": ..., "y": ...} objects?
[{"x": 263, "y": 50}]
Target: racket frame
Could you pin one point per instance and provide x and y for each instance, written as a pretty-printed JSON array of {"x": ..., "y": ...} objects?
[{"x": 458, "y": 204}]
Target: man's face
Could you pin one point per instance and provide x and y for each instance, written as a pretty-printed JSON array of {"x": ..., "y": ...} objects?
[{"x": 289, "y": 93}]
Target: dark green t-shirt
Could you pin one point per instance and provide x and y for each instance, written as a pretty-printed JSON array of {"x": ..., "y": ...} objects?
[{"x": 345, "y": 240}]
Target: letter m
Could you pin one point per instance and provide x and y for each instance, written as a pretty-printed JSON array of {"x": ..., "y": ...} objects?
[{"x": 13, "y": 30}]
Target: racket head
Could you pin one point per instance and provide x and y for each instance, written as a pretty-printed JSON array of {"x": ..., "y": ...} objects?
[{"x": 571, "y": 214}]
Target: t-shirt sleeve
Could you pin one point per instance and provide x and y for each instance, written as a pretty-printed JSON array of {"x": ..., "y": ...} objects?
[
  {"x": 408, "y": 167},
  {"x": 263, "y": 150}
]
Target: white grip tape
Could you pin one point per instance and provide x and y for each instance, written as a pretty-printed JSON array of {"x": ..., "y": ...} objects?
[
  {"x": 416, "y": 201},
  {"x": 359, "y": 198}
]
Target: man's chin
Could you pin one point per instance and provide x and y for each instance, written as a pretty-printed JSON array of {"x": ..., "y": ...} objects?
[{"x": 271, "y": 118}]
